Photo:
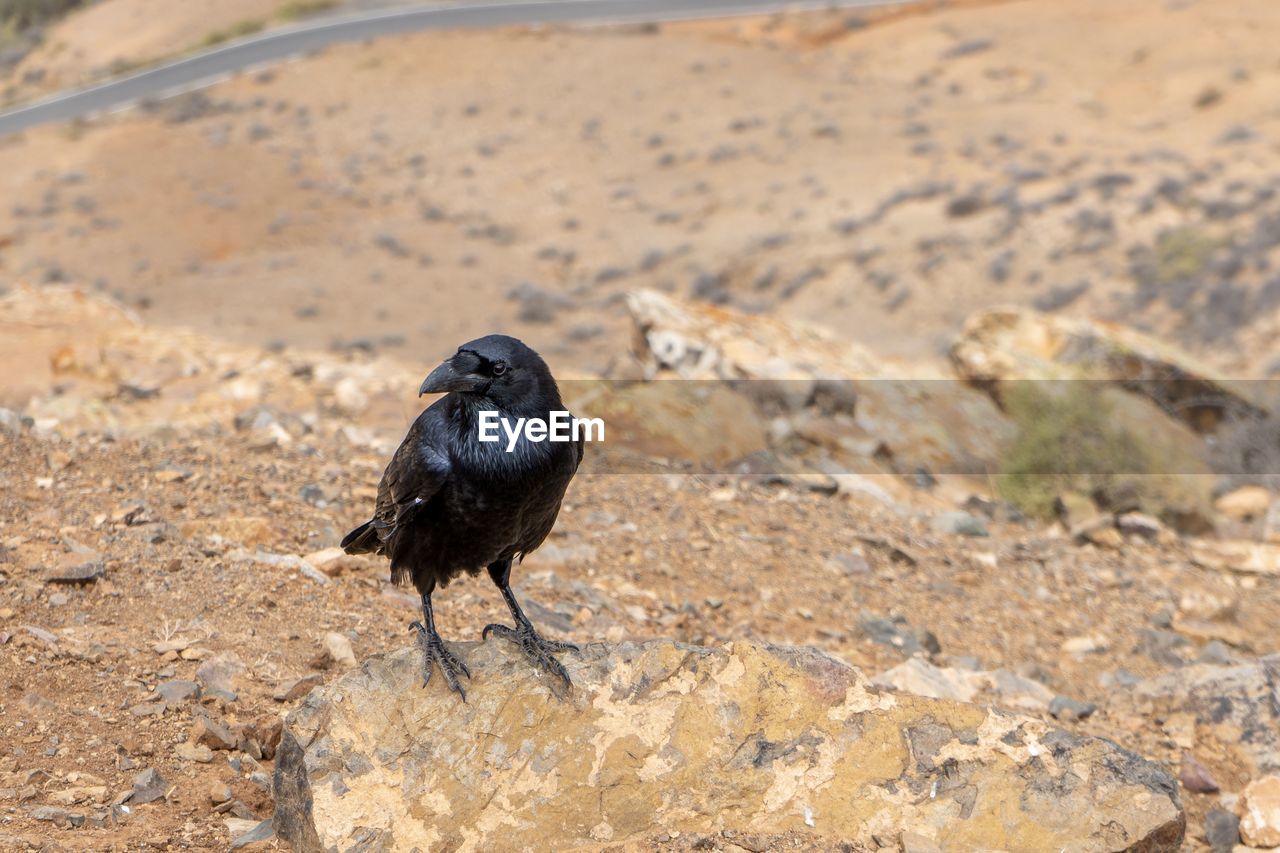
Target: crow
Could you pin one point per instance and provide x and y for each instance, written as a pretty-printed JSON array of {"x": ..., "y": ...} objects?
[{"x": 449, "y": 503}]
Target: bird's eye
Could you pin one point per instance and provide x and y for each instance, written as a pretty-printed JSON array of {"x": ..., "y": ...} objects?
[{"x": 499, "y": 368}]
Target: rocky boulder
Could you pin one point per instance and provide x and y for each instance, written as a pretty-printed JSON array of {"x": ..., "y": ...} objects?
[
  {"x": 1235, "y": 709},
  {"x": 661, "y": 738},
  {"x": 909, "y": 415},
  {"x": 698, "y": 341},
  {"x": 1017, "y": 344}
]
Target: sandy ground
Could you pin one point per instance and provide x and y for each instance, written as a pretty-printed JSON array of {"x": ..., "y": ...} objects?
[
  {"x": 174, "y": 519},
  {"x": 187, "y": 485},
  {"x": 885, "y": 180}
]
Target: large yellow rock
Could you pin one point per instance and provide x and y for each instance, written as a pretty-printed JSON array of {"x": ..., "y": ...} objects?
[
  {"x": 1019, "y": 344},
  {"x": 662, "y": 737},
  {"x": 909, "y": 414}
]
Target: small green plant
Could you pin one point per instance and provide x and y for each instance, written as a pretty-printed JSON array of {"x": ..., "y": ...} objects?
[
  {"x": 239, "y": 29},
  {"x": 1184, "y": 253},
  {"x": 1098, "y": 442},
  {"x": 295, "y": 9},
  {"x": 121, "y": 66},
  {"x": 18, "y": 15},
  {"x": 1066, "y": 443}
]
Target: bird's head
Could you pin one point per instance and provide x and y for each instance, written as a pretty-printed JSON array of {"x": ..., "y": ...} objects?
[{"x": 497, "y": 367}]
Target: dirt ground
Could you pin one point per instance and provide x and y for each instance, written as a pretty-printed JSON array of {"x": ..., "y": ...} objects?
[{"x": 195, "y": 525}]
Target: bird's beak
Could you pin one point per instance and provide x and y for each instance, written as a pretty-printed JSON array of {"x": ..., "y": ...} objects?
[{"x": 447, "y": 378}]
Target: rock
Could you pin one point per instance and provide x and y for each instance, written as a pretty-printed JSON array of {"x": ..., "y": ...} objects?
[
  {"x": 1221, "y": 830},
  {"x": 700, "y": 342},
  {"x": 219, "y": 792},
  {"x": 296, "y": 688},
  {"x": 702, "y": 423},
  {"x": 1271, "y": 525},
  {"x": 265, "y": 732},
  {"x": 196, "y": 752},
  {"x": 937, "y": 426},
  {"x": 742, "y": 739},
  {"x": 1015, "y": 691},
  {"x": 860, "y": 486},
  {"x": 334, "y": 561},
  {"x": 959, "y": 523},
  {"x": 220, "y": 672},
  {"x": 1139, "y": 524},
  {"x": 1099, "y": 530},
  {"x": 36, "y": 703},
  {"x": 919, "y": 677},
  {"x": 148, "y": 786},
  {"x": 1085, "y": 645},
  {"x": 1212, "y": 605},
  {"x": 58, "y": 816},
  {"x": 286, "y": 561},
  {"x": 1235, "y": 703},
  {"x": 1216, "y": 652},
  {"x": 898, "y": 634},
  {"x": 338, "y": 647},
  {"x": 262, "y": 430},
  {"x": 10, "y": 423},
  {"x": 1245, "y": 503},
  {"x": 914, "y": 842},
  {"x": 212, "y": 734},
  {"x": 1260, "y": 812},
  {"x": 1064, "y": 707},
  {"x": 75, "y": 567},
  {"x": 1008, "y": 344},
  {"x": 1198, "y": 629},
  {"x": 349, "y": 397},
  {"x": 1246, "y": 558},
  {"x": 177, "y": 692},
  {"x": 246, "y": 832},
  {"x": 78, "y": 794},
  {"x": 1195, "y": 777}
]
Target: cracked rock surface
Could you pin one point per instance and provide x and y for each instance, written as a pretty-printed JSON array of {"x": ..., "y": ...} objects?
[{"x": 661, "y": 739}]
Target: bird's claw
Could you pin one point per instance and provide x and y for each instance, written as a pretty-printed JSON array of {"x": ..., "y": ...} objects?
[
  {"x": 451, "y": 665},
  {"x": 537, "y": 648}
]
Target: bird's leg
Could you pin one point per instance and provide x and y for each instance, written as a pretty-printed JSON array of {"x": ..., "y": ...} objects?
[
  {"x": 536, "y": 647},
  {"x": 433, "y": 649}
]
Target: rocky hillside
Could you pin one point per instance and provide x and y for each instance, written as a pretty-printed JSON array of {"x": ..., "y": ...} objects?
[
  {"x": 170, "y": 591},
  {"x": 883, "y": 176}
]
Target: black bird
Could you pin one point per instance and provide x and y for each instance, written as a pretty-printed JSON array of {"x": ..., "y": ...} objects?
[{"x": 449, "y": 503}]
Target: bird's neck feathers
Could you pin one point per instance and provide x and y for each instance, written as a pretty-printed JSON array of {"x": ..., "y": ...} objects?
[{"x": 465, "y": 409}]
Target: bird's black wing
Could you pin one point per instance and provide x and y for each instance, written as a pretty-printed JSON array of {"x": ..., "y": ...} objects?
[{"x": 415, "y": 474}]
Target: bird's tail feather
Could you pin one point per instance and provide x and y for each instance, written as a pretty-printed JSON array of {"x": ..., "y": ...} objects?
[
  {"x": 363, "y": 540},
  {"x": 401, "y": 575}
]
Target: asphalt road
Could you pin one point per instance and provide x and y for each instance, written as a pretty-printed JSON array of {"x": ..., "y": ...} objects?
[{"x": 276, "y": 45}]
